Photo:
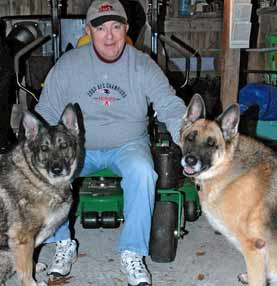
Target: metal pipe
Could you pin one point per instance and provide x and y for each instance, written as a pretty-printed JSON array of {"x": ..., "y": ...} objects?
[
  {"x": 186, "y": 46},
  {"x": 56, "y": 27},
  {"x": 262, "y": 50},
  {"x": 174, "y": 45},
  {"x": 193, "y": 51},
  {"x": 261, "y": 71},
  {"x": 182, "y": 52},
  {"x": 22, "y": 52}
]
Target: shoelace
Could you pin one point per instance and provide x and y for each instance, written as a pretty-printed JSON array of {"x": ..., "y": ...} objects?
[
  {"x": 60, "y": 253},
  {"x": 135, "y": 265}
]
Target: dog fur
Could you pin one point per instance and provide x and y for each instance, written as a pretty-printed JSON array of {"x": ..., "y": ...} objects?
[
  {"x": 35, "y": 195},
  {"x": 237, "y": 179}
]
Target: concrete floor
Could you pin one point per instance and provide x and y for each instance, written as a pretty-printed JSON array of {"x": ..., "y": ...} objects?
[{"x": 203, "y": 259}]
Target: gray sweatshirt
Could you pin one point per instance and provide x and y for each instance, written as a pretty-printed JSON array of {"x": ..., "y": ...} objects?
[{"x": 113, "y": 97}]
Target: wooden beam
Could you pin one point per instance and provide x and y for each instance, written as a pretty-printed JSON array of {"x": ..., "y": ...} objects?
[{"x": 229, "y": 61}]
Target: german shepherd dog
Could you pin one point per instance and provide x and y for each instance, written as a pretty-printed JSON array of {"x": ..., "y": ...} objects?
[
  {"x": 237, "y": 181},
  {"x": 35, "y": 195}
]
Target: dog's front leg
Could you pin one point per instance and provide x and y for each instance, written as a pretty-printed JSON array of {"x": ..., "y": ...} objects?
[
  {"x": 23, "y": 249},
  {"x": 255, "y": 262}
]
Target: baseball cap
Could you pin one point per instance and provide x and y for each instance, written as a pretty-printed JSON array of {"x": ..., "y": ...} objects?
[{"x": 101, "y": 11}]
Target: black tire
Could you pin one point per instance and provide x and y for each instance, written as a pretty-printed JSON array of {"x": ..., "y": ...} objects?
[
  {"x": 110, "y": 220},
  {"x": 90, "y": 220},
  {"x": 163, "y": 241},
  {"x": 191, "y": 211}
]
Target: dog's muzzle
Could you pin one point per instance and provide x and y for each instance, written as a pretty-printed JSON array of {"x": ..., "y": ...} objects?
[
  {"x": 191, "y": 165},
  {"x": 58, "y": 170}
]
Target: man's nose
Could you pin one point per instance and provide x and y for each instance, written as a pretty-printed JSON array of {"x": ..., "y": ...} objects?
[{"x": 109, "y": 34}]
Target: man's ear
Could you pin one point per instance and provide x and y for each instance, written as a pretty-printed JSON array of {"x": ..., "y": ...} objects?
[
  {"x": 127, "y": 28},
  {"x": 88, "y": 30}
]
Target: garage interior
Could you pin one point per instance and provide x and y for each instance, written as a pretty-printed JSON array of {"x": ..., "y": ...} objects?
[{"x": 224, "y": 50}]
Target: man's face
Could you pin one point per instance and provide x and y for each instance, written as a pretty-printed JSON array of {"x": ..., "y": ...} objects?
[{"x": 108, "y": 38}]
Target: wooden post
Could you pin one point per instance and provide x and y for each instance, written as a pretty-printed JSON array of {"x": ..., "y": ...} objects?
[{"x": 229, "y": 62}]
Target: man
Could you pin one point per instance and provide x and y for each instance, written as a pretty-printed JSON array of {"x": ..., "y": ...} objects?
[{"x": 114, "y": 84}]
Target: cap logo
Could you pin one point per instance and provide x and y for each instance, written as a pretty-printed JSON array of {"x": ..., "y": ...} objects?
[{"x": 105, "y": 8}]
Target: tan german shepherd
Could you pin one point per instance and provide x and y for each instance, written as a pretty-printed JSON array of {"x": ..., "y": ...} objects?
[{"x": 237, "y": 179}]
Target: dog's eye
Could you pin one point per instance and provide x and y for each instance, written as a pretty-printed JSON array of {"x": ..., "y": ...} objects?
[
  {"x": 64, "y": 145},
  {"x": 211, "y": 142},
  {"x": 191, "y": 136},
  {"x": 44, "y": 148}
]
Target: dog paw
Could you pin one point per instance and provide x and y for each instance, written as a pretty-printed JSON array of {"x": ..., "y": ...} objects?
[
  {"x": 243, "y": 278},
  {"x": 40, "y": 267}
]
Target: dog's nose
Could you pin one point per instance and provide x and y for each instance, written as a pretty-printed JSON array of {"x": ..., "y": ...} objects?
[
  {"x": 191, "y": 160},
  {"x": 56, "y": 169}
]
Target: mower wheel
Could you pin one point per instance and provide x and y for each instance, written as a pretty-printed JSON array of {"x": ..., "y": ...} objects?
[
  {"x": 90, "y": 220},
  {"x": 191, "y": 211},
  {"x": 110, "y": 220},
  {"x": 163, "y": 241}
]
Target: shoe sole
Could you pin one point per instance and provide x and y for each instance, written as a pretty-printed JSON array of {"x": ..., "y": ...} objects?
[
  {"x": 140, "y": 284},
  {"x": 57, "y": 274}
]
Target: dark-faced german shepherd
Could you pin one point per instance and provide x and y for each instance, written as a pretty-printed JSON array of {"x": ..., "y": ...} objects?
[
  {"x": 237, "y": 179},
  {"x": 35, "y": 195}
]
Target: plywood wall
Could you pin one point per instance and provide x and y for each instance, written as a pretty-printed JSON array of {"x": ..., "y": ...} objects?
[
  {"x": 201, "y": 33},
  {"x": 40, "y": 7}
]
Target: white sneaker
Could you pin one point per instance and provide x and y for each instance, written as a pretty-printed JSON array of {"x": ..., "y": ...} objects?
[
  {"x": 132, "y": 264},
  {"x": 65, "y": 256}
]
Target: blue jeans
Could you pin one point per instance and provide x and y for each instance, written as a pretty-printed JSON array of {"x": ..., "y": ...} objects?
[{"x": 133, "y": 162}]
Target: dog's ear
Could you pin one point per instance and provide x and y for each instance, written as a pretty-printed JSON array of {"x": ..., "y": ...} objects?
[
  {"x": 229, "y": 121},
  {"x": 31, "y": 125},
  {"x": 196, "y": 109},
  {"x": 69, "y": 119}
]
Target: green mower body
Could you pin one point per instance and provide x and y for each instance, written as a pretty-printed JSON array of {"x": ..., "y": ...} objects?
[{"x": 101, "y": 198}]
